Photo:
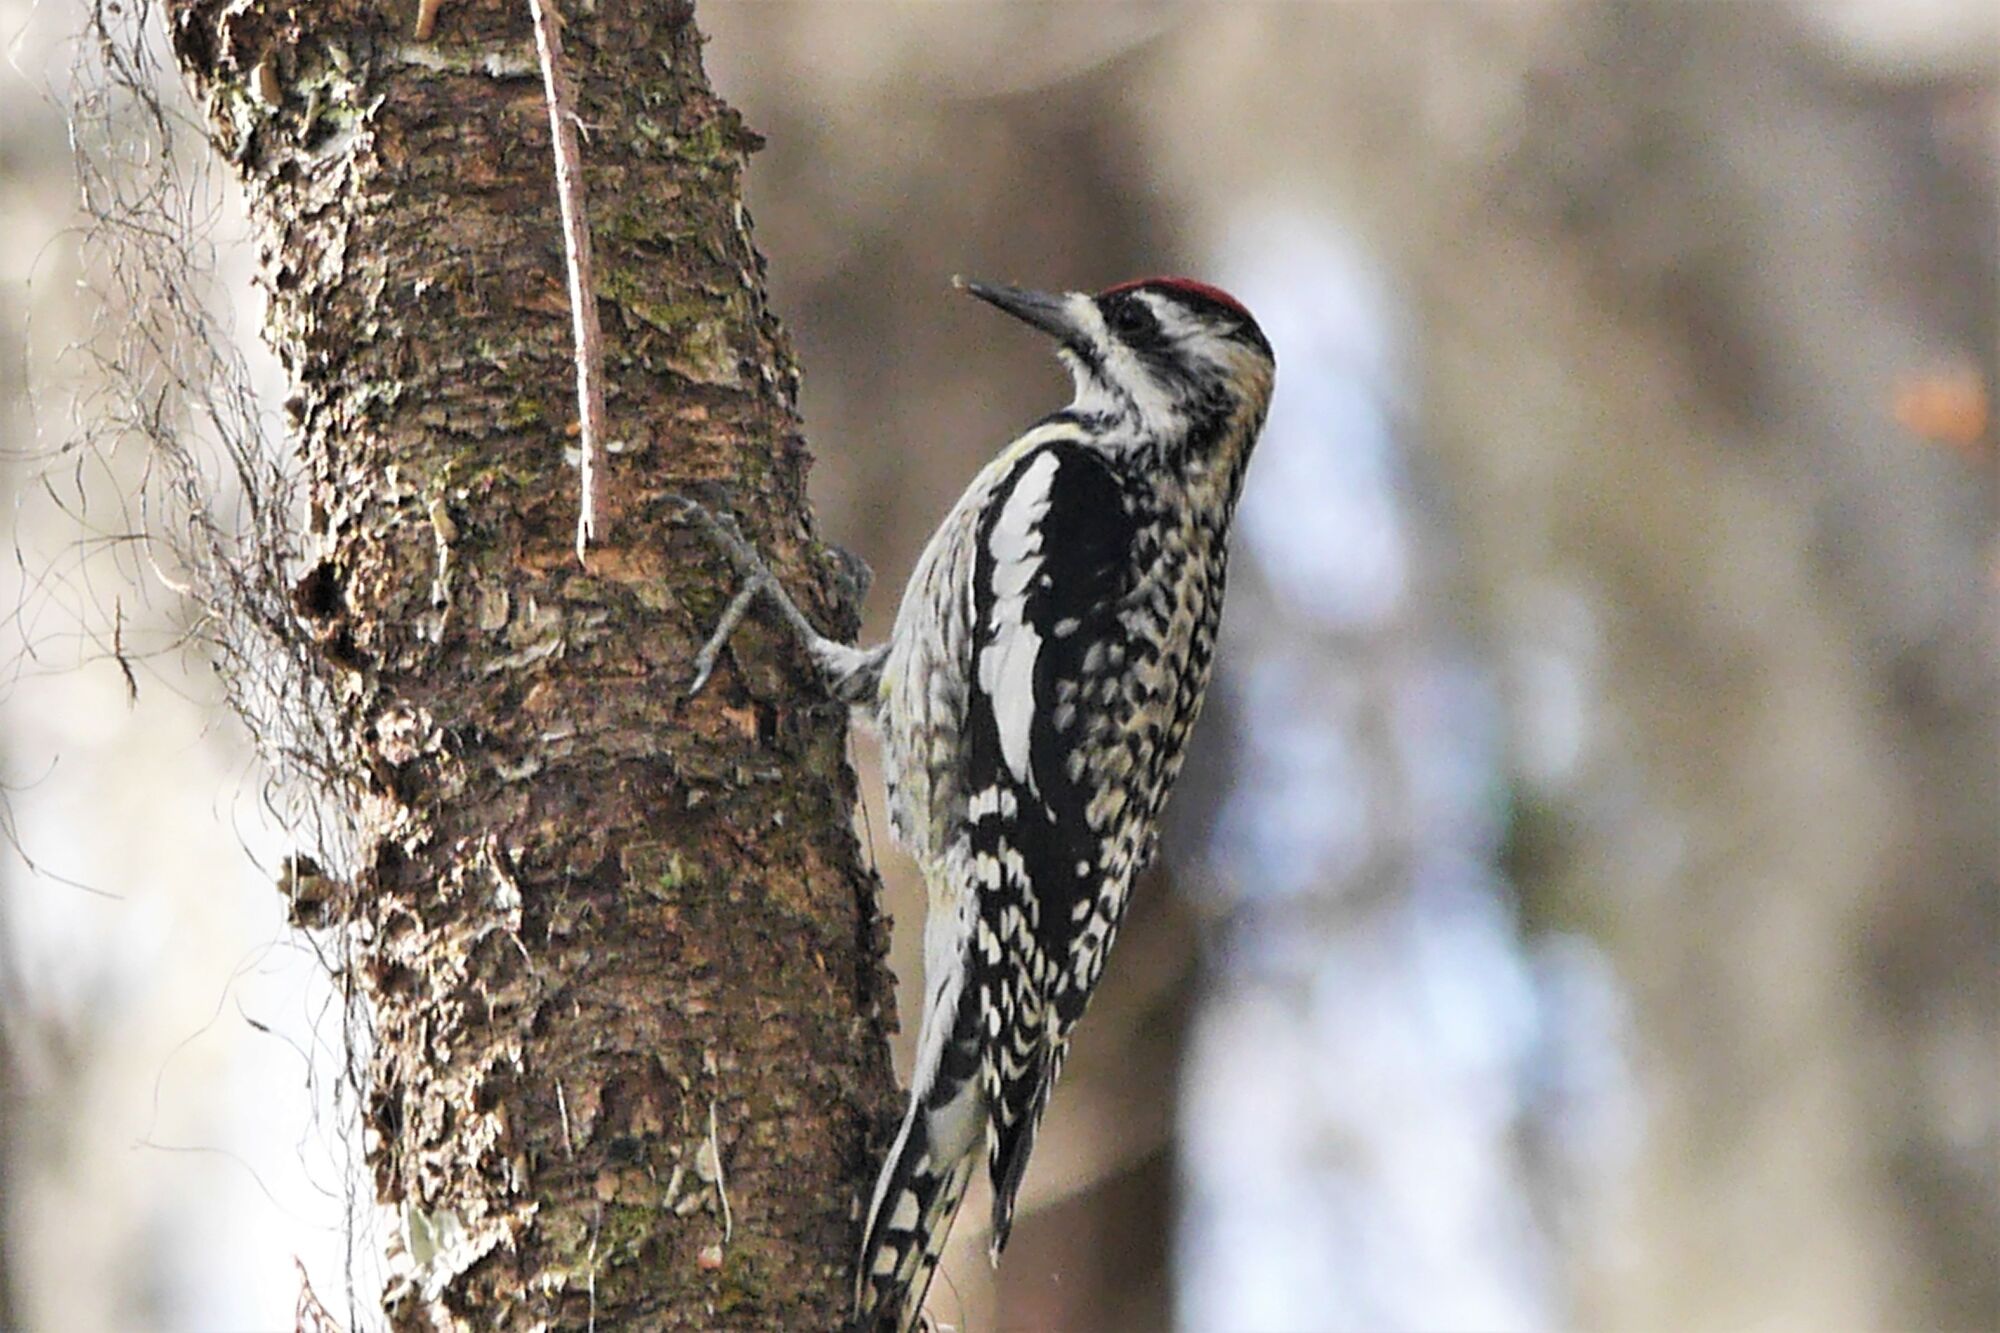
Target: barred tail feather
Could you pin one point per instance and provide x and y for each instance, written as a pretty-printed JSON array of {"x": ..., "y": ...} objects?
[
  {"x": 916, "y": 1198},
  {"x": 1012, "y": 1146}
]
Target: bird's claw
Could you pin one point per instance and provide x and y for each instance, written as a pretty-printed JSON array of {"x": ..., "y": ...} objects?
[
  {"x": 732, "y": 616},
  {"x": 704, "y": 667},
  {"x": 757, "y": 577},
  {"x": 721, "y": 529}
]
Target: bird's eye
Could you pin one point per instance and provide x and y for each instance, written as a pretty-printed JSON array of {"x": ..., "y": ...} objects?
[{"x": 1133, "y": 320}]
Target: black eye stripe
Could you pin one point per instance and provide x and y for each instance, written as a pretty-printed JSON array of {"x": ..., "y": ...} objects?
[
  {"x": 1208, "y": 308},
  {"x": 1133, "y": 319}
]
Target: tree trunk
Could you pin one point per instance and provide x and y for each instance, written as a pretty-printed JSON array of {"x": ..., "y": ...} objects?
[{"x": 619, "y": 947}]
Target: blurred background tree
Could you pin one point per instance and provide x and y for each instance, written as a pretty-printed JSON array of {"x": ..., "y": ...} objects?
[{"x": 1584, "y": 906}]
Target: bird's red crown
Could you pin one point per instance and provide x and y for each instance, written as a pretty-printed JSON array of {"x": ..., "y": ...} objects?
[{"x": 1187, "y": 285}]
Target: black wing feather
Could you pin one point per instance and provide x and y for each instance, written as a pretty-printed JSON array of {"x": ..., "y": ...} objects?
[{"x": 1085, "y": 550}]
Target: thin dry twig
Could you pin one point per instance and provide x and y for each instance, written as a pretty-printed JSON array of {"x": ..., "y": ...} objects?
[
  {"x": 721, "y": 1186},
  {"x": 309, "y": 1315},
  {"x": 155, "y": 442},
  {"x": 562, "y": 1106},
  {"x": 576, "y": 249},
  {"x": 427, "y": 16}
]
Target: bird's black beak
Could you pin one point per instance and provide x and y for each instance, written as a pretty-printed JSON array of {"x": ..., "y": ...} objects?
[{"x": 1047, "y": 311}]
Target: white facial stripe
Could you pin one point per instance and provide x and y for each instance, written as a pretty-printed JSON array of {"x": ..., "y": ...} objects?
[
  {"x": 1007, "y": 662},
  {"x": 1153, "y": 402},
  {"x": 1196, "y": 337},
  {"x": 1083, "y": 309},
  {"x": 1175, "y": 318}
]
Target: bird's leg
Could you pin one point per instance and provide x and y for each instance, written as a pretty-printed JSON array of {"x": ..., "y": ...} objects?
[
  {"x": 757, "y": 580},
  {"x": 732, "y": 616}
]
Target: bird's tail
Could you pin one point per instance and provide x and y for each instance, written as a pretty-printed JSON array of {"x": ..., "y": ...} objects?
[{"x": 916, "y": 1197}]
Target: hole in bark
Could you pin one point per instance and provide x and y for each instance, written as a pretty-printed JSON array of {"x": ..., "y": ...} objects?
[
  {"x": 316, "y": 596},
  {"x": 396, "y": 979},
  {"x": 387, "y": 869},
  {"x": 486, "y": 1095},
  {"x": 191, "y": 42},
  {"x": 406, "y": 785},
  {"x": 342, "y": 652}
]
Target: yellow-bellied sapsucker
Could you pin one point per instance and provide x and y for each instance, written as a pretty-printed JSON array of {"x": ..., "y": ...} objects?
[{"x": 1034, "y": 702}]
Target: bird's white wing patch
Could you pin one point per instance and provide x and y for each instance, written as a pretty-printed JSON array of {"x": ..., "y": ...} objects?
[{"x": 1007, "y": 662}]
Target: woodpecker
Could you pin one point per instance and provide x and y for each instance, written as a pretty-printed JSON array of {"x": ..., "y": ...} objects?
[{"x": 1034, "y": 702}]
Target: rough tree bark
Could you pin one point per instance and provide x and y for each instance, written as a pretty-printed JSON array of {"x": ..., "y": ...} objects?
[{"x": 619, "y": 947}]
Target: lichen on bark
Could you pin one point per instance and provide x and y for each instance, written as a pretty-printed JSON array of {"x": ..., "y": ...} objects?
[{"x": 619, "y": 947}]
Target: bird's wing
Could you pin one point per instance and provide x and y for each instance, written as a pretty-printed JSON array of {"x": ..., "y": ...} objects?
[{"x": 1050, "y": 568}]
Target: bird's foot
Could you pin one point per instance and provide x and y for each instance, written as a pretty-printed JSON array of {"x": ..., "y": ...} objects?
[
  {"x": 732, "y": 616},
  {"x": 756, "y": 576}
]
